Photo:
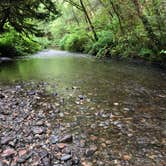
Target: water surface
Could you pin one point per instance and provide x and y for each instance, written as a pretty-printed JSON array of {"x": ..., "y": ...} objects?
[{"x": 123, "y": 105}]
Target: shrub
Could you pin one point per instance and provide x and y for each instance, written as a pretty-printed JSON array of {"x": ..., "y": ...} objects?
[
  {"x": 13, "y": 44},
  {"x": 74, "y": 42},
  {"x": 105, "y": 41}
]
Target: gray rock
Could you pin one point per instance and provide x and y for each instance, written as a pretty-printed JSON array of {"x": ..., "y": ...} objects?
[
  {"x": 66, "y": 157},
  {"x": 2, "y": 96},
  {"x": 40, "y": 123},
  {"x": 89, "y": 152},
  {"x": 66, "y": 138},
  {"x": 1, "y": 164},
  {"x": 6, "y": 140},
  {"x": 54, "y": 139},
  {"x": 81, "y": 97},
  {"x": 24, "y": 158},
  {"x": 31, "y": 93},
  {"x": 38, "y": 130}
]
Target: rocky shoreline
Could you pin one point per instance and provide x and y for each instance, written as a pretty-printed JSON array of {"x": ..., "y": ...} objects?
[
  {"x": 32, "y": 133},
  {"x": 26, "y": 136}
]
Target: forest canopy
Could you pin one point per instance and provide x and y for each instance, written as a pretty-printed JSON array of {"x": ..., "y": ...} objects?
[{"x": 22, "y": 14}]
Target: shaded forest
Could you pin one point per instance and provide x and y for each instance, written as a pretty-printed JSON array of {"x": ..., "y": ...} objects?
[{"x": 104, "y": 28}]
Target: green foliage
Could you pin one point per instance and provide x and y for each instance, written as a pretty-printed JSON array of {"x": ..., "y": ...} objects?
[
  {"x": 20, "y": 22},
  {"x": 22, "y": 15},
  {"x": 101, "y": 46},
  {"x": 128, "y": 28},
  {"x": 145, "y": 52},
  {"x": 74, "y": 42},
  {"x": 13, "y": 44}
]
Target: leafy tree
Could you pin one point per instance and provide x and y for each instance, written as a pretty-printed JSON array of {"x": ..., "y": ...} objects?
[{"x": 22, "y": 14}]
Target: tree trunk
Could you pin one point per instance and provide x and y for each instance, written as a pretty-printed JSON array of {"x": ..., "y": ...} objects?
[
  {"x": 118, "y": 16},
  {"x": 89, "y": 20},
  {"x": 146, "y": 24},
  {"x": 75, "y": 17},
  {"x": 105, "y": 6}
]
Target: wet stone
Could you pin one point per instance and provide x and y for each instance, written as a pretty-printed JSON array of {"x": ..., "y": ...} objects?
[
  {"x": 2, "y": 96},
  {"x": 46, "y": 161},
  {"x": 38, "y": 130},
  {"x": 6, "y": 140},
  {"x": 39, "y": 123},
  {"x": 13, "y": 143},
  {"x": 163, "y": 132},
  {"x": 54, "y": 139},
  {"x": 24, "y": 157},
  {"x": 66, "y": 157},
  {"x": 1, "y": 163},
  {"x": 55, "y": 94},
  {"x": 18, "y": 87},
  {"x": 66, "y": 138},
  {"x": 4, "y": 112},
  {"x": 61, "y": 115},
  {"x": 61, "y": 145},
  {"x": 89, "y": 152},
  {"x": 31, "y": 93},
  {"x": 81, "y": 97},
  {"x": 8, "y": 152}
]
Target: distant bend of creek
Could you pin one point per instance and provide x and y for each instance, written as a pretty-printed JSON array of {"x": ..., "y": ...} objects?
[{"x": 115, "y": 111}]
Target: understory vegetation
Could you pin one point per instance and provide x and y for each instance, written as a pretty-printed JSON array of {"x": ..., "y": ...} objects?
[
  {"x": 104, "y": 28},
  {"x": 22, "y": 25},
  {"x": 108, "y": 28}
]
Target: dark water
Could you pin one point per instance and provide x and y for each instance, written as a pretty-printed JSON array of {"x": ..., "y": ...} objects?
[{"x": 123, "y": 104}]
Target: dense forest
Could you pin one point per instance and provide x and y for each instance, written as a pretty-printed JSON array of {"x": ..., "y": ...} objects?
[{"x": 105, "y": 28}]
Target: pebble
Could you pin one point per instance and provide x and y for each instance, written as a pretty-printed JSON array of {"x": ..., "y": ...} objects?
[
  {"x": 39, "y": 123},
  {"x": 126, "y": 157},
  {"x": 85, "y": 163},
  {"x": 66, "y": 157},
  {"x": 89, "y": 152},
  {"x": 116, "y": 104},
  {"x": 6, "y": 140},
  {"x": 81, "y": 97},
  {"x": 24, "y": 157},
  {"x": 8, "y": 152},
  {"x": 31, "y": 93},
  {"x": 38, "y": 130},
  {"x": 54, "y": 139},
  {"x": 126, "y": 109},
  {"x": 66, "y": 138},
  {"x": 61, "y": 145},
  {"x": 2, "y": 96},
  {"x": 1, "y": 163},
  {"x": 61, "y": 115}
]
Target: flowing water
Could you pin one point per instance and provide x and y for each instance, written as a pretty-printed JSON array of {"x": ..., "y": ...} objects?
[{"x": 118, "y": 108}]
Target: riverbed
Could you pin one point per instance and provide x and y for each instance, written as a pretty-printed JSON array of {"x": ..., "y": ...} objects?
[{"x": 60, "y": 108}]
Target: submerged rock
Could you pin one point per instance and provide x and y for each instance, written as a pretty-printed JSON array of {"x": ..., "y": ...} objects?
[
  {"x": 6, "y": 140},
  {"x": 38, "y": 130},
  {"x": 54, "y": 139},
  {"x": 8, "y": 152},
  {"x": 66, "y": 157},
  {"x": 2, "y": 96},
  {"x": 24, "y": 157},
  {"x": 89, "y": 152},
  {"x": 67, "y": 138}
]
